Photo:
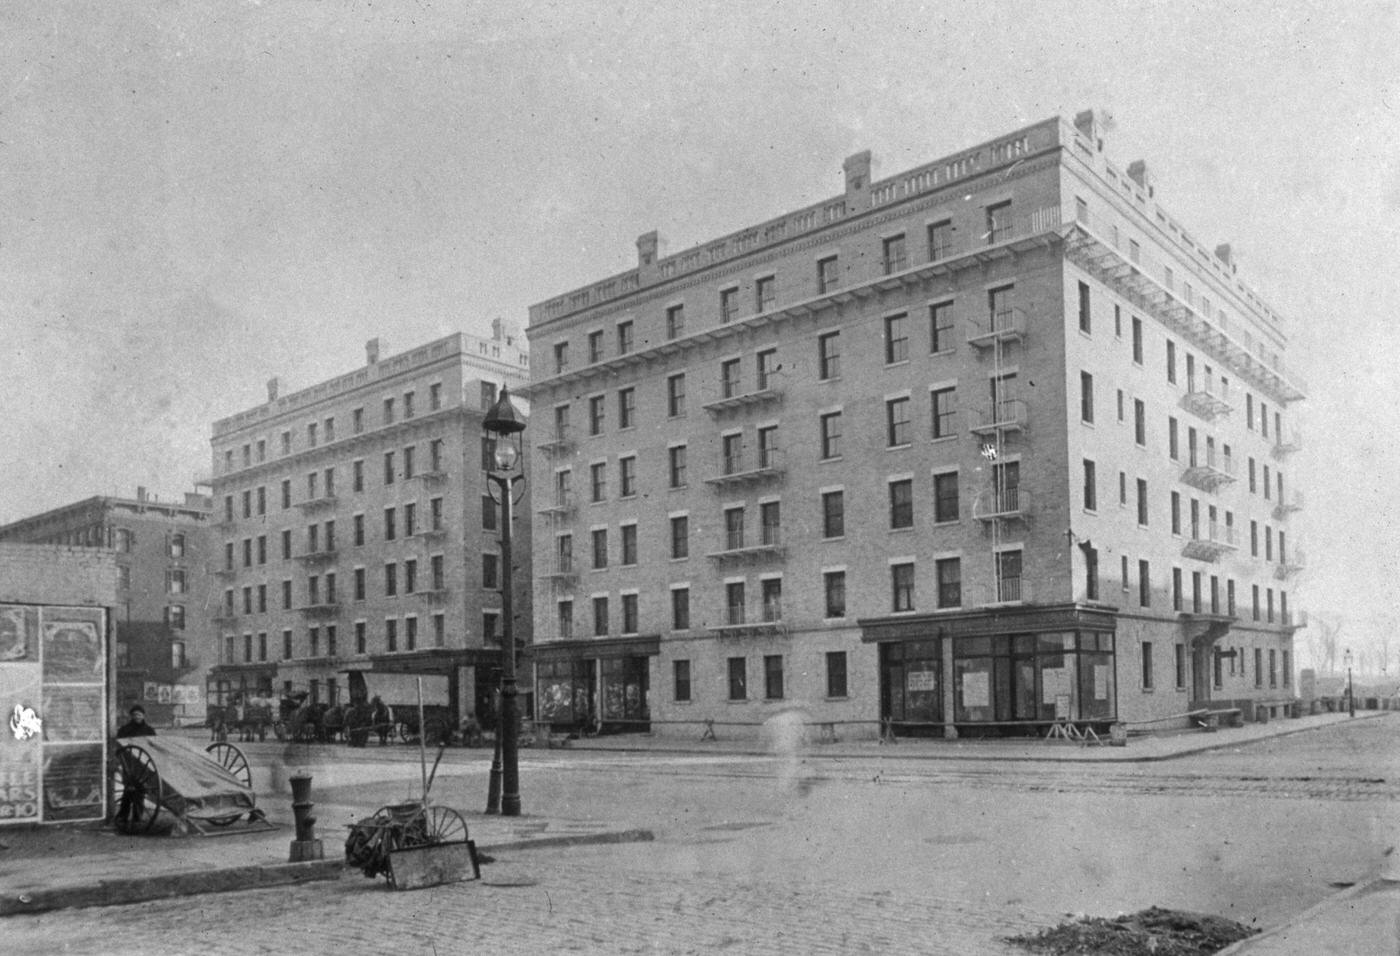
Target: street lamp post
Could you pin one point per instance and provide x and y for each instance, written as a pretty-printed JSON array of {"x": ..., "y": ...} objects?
[
  {"x": 504, "y": 425},
  {"x": 1351, "y": 693}
]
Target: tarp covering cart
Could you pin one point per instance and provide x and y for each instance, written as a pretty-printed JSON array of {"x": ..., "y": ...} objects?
[{"x": 204, "y": 790}]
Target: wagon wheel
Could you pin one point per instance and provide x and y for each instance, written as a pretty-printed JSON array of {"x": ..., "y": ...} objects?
[
  {"x": 231, "y": 759},
  {"x": 136, "y": 788},
  {"x": 436, "y": 825}
]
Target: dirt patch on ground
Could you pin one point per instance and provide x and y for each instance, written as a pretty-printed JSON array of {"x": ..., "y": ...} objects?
[{"x": 1150, "y": 932}]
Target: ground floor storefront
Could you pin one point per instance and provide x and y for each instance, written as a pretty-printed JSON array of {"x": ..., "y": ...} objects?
[{"x": 591, "y": 687}]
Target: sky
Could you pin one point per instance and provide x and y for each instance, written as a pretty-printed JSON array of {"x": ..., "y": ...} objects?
[{"x": 197, "y": 197}]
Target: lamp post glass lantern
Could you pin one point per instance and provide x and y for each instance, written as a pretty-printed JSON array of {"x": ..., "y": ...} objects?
[{"x": 504, "y": 425}]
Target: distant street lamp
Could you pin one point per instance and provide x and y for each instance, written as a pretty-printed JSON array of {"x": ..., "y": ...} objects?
[
  {"x": 504, "y": 425},
  {"x": 1351, "y": 692}
]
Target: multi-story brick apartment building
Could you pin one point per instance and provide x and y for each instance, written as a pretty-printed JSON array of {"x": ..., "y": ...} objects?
[
  {"x": 354, "y": 527},
  {"x": 161, "y": 550},
  {"x": 980, "y": 447}
]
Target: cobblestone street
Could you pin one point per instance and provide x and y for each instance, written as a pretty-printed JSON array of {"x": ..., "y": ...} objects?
[{"x": 885, "y": 854}]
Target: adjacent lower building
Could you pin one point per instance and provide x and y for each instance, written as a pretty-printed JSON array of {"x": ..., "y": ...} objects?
[
  {"x": 161, "y": 549},
  {"x": 985, "y": 447},
  {"x": 356, "y": 541}
]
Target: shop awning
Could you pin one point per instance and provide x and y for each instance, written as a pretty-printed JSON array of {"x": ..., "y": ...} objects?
[
  {"x": 645, "y": 645},
  {"x": 1026, "y": 619}
]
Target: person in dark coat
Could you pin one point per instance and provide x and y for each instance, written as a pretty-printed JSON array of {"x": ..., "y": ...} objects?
[{"x": 136, "y": 726}]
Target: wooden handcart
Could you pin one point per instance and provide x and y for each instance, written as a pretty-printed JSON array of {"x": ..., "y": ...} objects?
[{"x": 206, "y": 792}]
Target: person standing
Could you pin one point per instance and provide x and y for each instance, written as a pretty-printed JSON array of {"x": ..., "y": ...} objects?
[{"x": 136, "y": 726}]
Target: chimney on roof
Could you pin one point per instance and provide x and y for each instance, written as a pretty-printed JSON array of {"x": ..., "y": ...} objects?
[
  {"x": 372, "y": 351},
  {"x": 859, "y": 168},
  {"x": 141, "y": 494},
  {"x": 651, "y": 247},
  {"x": 1138, "y": 173},
  {"x": 1088, "y": 125},
  {"x": 274, "y": 384},
  {"x": 1226, "y": 255}
]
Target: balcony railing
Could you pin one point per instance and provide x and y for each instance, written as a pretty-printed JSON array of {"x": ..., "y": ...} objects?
[
  {"x": 318, "y": 557},
  {"x": 739, "y": 620},
  {"x": 741, "y": 469},
  {"x": 1288, "y": 504},
  {"x": 769, "y": 544},
  {"x": 327, "y": 608},
  {"x": 1208, "y": 472},
  {"x": 1286, "y": 444},
  {"x": 562, "y": 570},
  {"x": 316, "y": 504},
  {"x": 560, "y": 443},
  {"x": 431, "y": 477},
  {"x": 1218, "y": 540},
  {"x": 226, "y": 573},
  {"x": 771, "y": 394},
  {"x": 1006, "y": 503},
  {"x": 1205, "y": 404},
  {"x": 561, "y": 506},
  {"x": 1294, "y": 618},
  {"x": 1007, "y": 589},
  {"x": 1007, "y": 326},
  {"x": 429, "y": 534},
  {"x": 224, "y": 616},
  {"x": 1009, "y": 415},
  {"x": 1293, "y": 564}
]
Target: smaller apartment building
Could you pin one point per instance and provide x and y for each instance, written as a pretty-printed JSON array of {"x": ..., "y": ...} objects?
[
  {"x": 982, "y": 447},
  {"x": 161, "y": 549},
  {"x": 355, "y": 532}
]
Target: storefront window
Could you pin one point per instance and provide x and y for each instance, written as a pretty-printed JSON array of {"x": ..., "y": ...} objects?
[
  {"x": 914, "y": 683},
  {"x": 1033, "y": 678}
]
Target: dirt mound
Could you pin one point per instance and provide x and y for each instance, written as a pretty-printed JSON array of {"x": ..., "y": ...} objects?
[{"x": 1150, "y": 932}]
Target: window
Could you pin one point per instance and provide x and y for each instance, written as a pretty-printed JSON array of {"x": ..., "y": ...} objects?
[
  {"x": 1144, "y": 584},
  {"x": 729, "y": 373},
  {"x": 357, "y": 476},
  {"x": 439, "y": 578},
  {"x": 773, "y": 676},
  {"x": 598, "y": 481},
  {"x": 829, "y": 356},
  {"x": 388, "y": 411},
  {"x": 600, "y": 548},
  {"x": 561, "y": 357},
  {"x": 1171, "y": 361},
  {"x": 902, "y": 503},
  {"x": 435, "y": 396},
  {"x": 680, "y": 536},
  {"x": 1176, "y": 589},
  {"x": 1091, "y": 572},
  {"x": 680, "y": 671},
  {"x": 827, "y": 275},
  {"x": 738, "y": 679},
  {"x": 286, "y": 645},
  {"x": 675, "y": 395},
  {"x": 1176, "y": 512},
  {"x": 391, "y": 634},
  {"x": 408, "y": 409},
  {"x": 897, "y": 422},
  {"x": 408, "y": 466},
  {"x": 831, "y": 435},
  {"x": 836, "y": 674},
  {"x": 680, "y": 609},
  {"x": 248, "y": 504},
  {"x": 733, "y": 528},
  {"x": 944, "y": 402},
  {"x": 629, "y": 544},
  {"x": 1267, "y": 484},
  {"x": 1086, "y": 397},
  {"x": 893, "y": 249},
  {"x": 675, "y": 321},
  {"x": 286, "y": 595},
  {"x": 490, "y": 571},
  {"x": 600, "y": 617},
  {"x": 566, "y": 619},
  {"x": 1000, "y": 312},
  {"x": 902, "y": 587},
  {"x": 1091, "y": 487},
  {"x": 945, "y": 497},
  {"x": 391, "y": 579},
  {"x": 1085, "y": 316},
  {"x": 388, "y": 468},
  {"x": 595, "y": 346},
  {"x": 390, "y": 525},
  {"x": 767, "y": 368},
  {"x": 768, "y": 446},
  {"x": 728, "y": 304},
  {"x": 676, "y": 454},
  {"x": 596, "y": 413},
  {"x": 940, "y": 241},
  {"x": 358, "y": 525},
  {"x": 732, "y": 453},
  {"x": 998, "y": 222},
  {"x": 1142, "y": 501},
  {"x": 949, "y": 571},
  {"x": 629, "y": 614},
  {"x": 175, "y": 578},
  {"x": 627, "y": 476},
  {"x": 435, "y": 514},
  {"x": 1180, "y": 650},
  {"x": 1140, "y": 422},
  {"x": 834, "y": 584},
  {"x": 770, "y": 520},
  {"x": 624, "y": 337},
  {"x": 833, "y": 514},
  {"x": 626, "y": 407},
  {"x": 765, "y": 293},
  {"x": 175, "y": 613},
  {"x": 1137, "y": 340},
  {"x": 359, "y": 584},
  {"x": 940, "y": 322}
]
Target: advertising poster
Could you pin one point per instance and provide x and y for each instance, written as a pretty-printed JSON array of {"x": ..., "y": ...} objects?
[
  {"x": 53, "y": 712},
  {"x": 975, "y": 689}
]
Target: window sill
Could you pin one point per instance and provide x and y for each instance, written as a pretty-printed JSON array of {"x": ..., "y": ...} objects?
[
  {"x": 900, "y": 447},
  {"x": 897, "y": 363},
  {"x": 941, "y": 438},
  {"x": 908, "y": 530},
  {"x": 824, "y": 461}
]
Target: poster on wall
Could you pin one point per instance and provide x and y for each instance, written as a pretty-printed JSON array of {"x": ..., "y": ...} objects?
[
  {"x": 975, "y": 689},
  {"x": 925, "y": 681},
  {"x": 1100, "y": 682},
  {"x": 53, "y": 685}
]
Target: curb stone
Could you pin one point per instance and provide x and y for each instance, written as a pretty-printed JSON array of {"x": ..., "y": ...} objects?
[{"x": 192, "y": 883}]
